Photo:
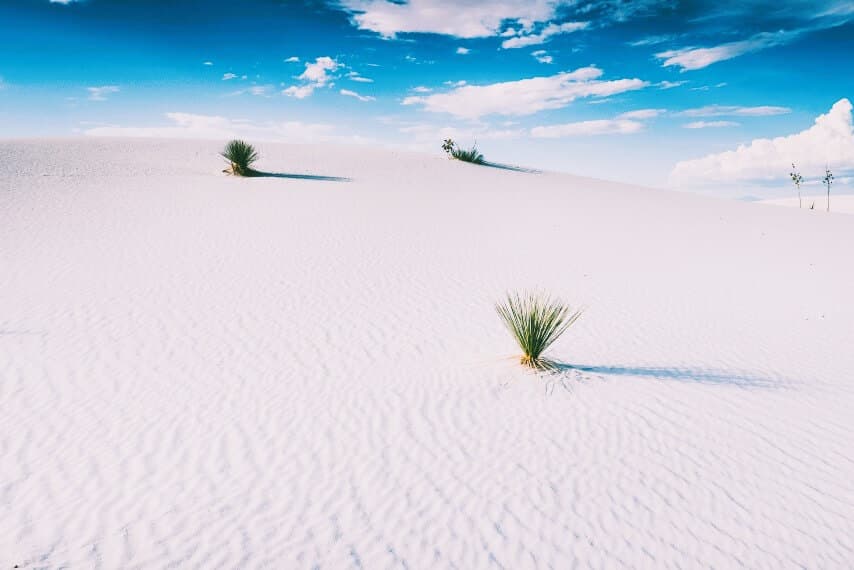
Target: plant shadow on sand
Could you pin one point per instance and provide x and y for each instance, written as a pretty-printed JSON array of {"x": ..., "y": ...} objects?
[
  {"x": 680, "y": 374},
  {"x": 509, "y": 167},
  {"x": 262, "y": 174}
]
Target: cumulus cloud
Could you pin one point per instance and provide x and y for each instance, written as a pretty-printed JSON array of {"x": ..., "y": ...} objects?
[
  {"x": 522, "y": 39},
  {"x": 525, "y": 96},
  {"x": 709, "y": 124},
  {"x": 692, "y": 58},
  {"x": 292, "y": 59},
  {"x": 316, "y": 74},
  {"x": 587, "y": 128},
  {"x": 299, "y": 92},
  {"x": 188, "y": 125},
  {"x": 348, "y": 93},
  {"x": 735, "y": 111},
  {"x": 463, "y": 51},
  {"x": 102, "y": 93},
  {"x": 461, "y": 18},
  {"x": 829, "y": 141}
]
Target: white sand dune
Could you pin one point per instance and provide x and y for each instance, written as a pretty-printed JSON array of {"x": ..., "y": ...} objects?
[
  {"x": 839, "y": 203},
  {"x": 199, "y": 371}
]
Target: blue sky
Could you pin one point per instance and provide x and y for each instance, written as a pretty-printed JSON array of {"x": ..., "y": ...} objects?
[{"x": 662, "y": 93}]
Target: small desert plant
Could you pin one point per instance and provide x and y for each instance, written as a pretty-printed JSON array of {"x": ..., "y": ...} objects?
[
  {"x": 828, "y": 180},
  {"x": 471, "y": 155},
  {"x": 535, "y": 321},
  {"x": 241, "y": 156},
  {"x": 798, "y": 180}
]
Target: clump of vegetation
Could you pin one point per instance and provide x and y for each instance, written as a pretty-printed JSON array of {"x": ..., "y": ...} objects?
[
  {"x": 536, "y": 320},
  {"x": 798, "y": 180},
  {"x": 828, "y": 180},
  {"x": 240, "y": 156},
  {"x": 466, "y": 155}
]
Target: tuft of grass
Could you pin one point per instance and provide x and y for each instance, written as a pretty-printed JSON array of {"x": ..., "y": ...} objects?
[
  {"x": 240, "y": 156},
  {"x": 471, "y": 155},
  {"x": 536, "y": 320}
]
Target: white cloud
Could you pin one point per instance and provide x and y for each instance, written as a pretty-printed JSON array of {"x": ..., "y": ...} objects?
[
  {"x": 829, "y": 141},
  {"x": 709, "y": 124},
  {"x": 354, "y": 76},
  {"x": 735, "y": 111},
  {"x": 524, "y": 97},
  {"x": 642, "y": 114},
  {"x": 697, "y": 58},
  {"x": 523, "y": 40},
  {"x": 355, "y": 95},
  {"x": 299, "y": 92},
  {"x": 461, "y": 18},
  {"x": 208, "y": 63},
  {"x": 421, "y": 89},
  {"x": 587, "y": 128},
  {"x": 63, "y": 2},
  {"x": 316, "y": 75},
  {"x": 188, "y": 125},
  {"x": 542, "y": 56},
  {"x": 257, "y": 90},
  {"x": 228, "y": 76},
  {"x": 425, "y": 135},
  {"x": 318, "y": 72},
  {"x": 292, "y": 59},
  {"x": 101, "y": 93},
  {"x": 463, "y": 51},
  {"x": 669, "y": 84}
]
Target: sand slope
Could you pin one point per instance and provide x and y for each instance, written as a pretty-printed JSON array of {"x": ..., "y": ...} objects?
[{"x": 198, "y": 371}]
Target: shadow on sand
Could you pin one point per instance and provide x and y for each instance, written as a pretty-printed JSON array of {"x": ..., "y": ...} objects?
[
  {"x": 261, "y": 174},
  {"x": 688, "y": 375},
  {"x": 509, "y": 167}
]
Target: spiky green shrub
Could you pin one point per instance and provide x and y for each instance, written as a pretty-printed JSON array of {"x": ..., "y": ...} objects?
[
  {"x": 536, "y": 320},
  {"x": 240, "y": 156},
  {"x": 471, "y": 155}
]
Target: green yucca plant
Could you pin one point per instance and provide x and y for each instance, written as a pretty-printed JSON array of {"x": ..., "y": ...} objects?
[
  {"x": 471, "y": 155},
  {"x": 240, "y": 155},
  {"x": 536, "y": 320}
]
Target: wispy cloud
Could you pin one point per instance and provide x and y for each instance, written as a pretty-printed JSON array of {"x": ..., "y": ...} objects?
[
  {"x": 102, "y": 93},
  {"x": 735, "y": 111},
  {"x": 348, "y": 93},
  {"x": 189, "y": 125},
  {"x": 669, "y": 84},
  {"x": 542, "y": 56},
  {"x": 523, "y": 39},
  {"x": 642, "y": 114},
  {"x": 292, "y": 59},
  {"x": 524, "y": 97},
  {"x": 709, "y": 124},
  {"x": 228, "y": 76},
  {"x": 588, "y": 128},
  {"x": 354, "y": 76},
  {"x": 692, "y": 58},
  {"x": 830, "y": 141},
  {"x": 463, "y": 51}
]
